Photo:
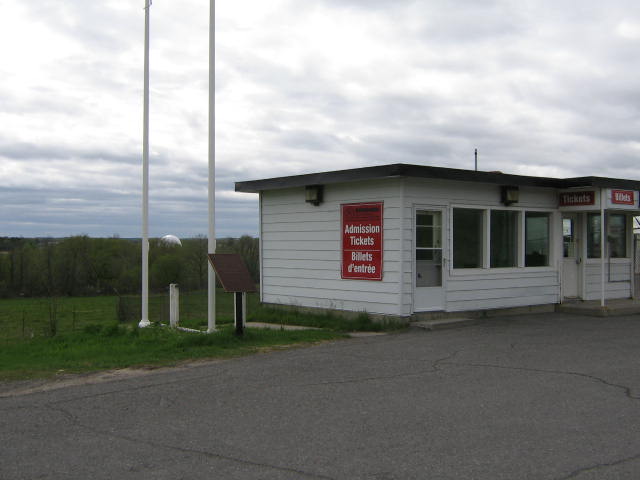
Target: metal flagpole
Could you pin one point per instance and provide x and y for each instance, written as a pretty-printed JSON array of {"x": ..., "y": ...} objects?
[
  {"x": 602, "y": 245},
  {"x": 144, "y": 322},
  {"x": 211, "y": 323}
]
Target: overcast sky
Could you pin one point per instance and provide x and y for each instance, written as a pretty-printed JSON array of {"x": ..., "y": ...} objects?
[{"x": 540, "y": 87}]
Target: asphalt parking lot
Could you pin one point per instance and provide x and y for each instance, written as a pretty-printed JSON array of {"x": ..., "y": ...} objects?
[{"x": 530, "y": 397}]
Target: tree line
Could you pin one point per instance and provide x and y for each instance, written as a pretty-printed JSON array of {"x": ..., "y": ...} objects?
[{"x": 81, "y": 265}]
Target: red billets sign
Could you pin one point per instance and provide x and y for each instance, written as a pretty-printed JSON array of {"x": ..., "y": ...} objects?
[
  {"x": 362, "y": 241},
  {"x": 622, "y": 197}
]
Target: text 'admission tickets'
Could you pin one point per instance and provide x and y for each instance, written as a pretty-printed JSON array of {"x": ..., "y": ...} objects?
[{"x": 362, "y": 241}]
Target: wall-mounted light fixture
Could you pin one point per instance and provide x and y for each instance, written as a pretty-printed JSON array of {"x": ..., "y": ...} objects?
[
  {"x": 313, "y": 194},
  {"x": 509, "y": 194}
]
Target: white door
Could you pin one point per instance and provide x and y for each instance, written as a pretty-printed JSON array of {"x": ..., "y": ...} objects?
[
  {"x": 428, "y": 291},
  {"x": 571, "y": 255}
]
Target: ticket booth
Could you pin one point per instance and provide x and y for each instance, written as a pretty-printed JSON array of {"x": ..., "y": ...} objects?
[
  {"x": 404, "y": 240},
  {"x": 598, "y": 243}
]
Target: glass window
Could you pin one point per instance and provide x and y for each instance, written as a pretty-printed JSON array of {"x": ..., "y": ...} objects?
[
  {"x": 568, "y": 237},
  {"x": 536, "y": 243},
  {"x": 617, "y": 235},
  {"x": 428, "y": 248},
  {"x": 468, "y": 235},
  {"x": 504, "y": 238},
  {"x": 593, "y": 235}
]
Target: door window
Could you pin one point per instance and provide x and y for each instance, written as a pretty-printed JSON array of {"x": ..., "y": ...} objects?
[
  {"x": 428, "y": 248},
  {"x": 568, "y": 238}
]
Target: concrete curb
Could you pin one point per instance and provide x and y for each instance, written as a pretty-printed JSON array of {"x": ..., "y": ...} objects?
[
  {"x": 444, "y": 323},
  {"x": 278, "y": 326}
]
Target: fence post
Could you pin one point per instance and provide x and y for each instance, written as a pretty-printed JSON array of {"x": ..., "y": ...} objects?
[{"x": 174, "y": 305}]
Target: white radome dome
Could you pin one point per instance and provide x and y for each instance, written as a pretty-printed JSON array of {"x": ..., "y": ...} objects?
[{"x": 171, "y": 240}]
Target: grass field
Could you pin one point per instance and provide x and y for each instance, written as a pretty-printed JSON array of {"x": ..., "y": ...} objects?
[
  {"x": 35, "y": 317},
  {"x": 117, "y": 346},
  {"x": 26, "y": 318},
  {"x": 40, "y": 337}
]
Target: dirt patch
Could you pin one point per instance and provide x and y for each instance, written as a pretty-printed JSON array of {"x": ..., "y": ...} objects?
[{"x": 64, "y": 380}]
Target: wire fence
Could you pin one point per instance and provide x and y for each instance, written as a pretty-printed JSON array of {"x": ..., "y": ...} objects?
[{"x": 50, "y": 316}]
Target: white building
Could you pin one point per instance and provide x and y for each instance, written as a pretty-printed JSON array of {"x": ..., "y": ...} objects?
[{"x": 402, "y": 239}]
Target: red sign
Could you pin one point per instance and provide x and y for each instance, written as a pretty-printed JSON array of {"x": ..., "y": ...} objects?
[
  {"x": 362, "y": 241},
  {"x": 622, "y": 197},
  {"x": 575, "y": 199}
]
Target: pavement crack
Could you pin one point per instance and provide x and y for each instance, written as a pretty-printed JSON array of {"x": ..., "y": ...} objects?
[
  {"x": 627, "y": 390},
  {"x": 598, "y": 466},
  {"x": 194, "y": 451},
  {"x": 436, "y": 364},
  {"x": 435, "y": 367}
]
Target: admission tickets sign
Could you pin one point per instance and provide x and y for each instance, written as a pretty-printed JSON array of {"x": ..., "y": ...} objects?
[{"x": 362, "y": 241}]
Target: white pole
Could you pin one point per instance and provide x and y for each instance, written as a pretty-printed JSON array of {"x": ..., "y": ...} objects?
[
  {"x": 602, "y": 245},
  {"x": 144, "y": 322},
  {"x": 211, "y": 323},
  {"x": 174, "y": 305}
]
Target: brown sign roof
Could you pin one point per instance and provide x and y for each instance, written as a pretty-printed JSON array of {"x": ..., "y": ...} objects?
[{"x": 232, "y": 272}]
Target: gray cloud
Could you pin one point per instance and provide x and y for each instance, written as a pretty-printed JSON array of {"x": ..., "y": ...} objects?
[
  {"x": 32, "y": 151},
  {"x": 541, "y": 88}
]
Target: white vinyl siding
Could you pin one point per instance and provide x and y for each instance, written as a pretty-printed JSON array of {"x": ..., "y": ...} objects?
[
  {"x": 301, "y": 249},
  {"x": 485, "y": 288},
  {"x": 617, "y": 278},
  {"x": 502, "y": 290}
]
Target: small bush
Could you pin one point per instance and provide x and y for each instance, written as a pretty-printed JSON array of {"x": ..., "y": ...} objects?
[
  {"x": 196, "y": 340},
  {"x": 128, "y": 309},
  {"x": 108, "y": 330},
  {"x": 112, "y": 330},
  {"x": 92, "y": 329}
]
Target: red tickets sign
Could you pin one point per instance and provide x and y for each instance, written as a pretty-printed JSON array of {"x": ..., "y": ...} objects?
[
  {"x": 575, "y": 199},
  {"x": 362, "y": 241}
]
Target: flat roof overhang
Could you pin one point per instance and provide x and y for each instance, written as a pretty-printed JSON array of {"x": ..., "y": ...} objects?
[{"x": 422, "y": 171}]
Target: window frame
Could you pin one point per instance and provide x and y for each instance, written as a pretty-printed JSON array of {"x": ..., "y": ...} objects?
[
  {"x": 520, "y": 239},
  {"x": 549, "y": 243},
  {"x": 483, "y": 238},
  {"x": 607, "y": 225},
  {"x": 518, "y": 233}
]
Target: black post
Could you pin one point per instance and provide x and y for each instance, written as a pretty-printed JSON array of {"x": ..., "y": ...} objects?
[{"x": 237, "y": 296}]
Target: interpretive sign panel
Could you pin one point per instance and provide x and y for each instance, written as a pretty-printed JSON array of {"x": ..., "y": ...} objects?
[
  {"x": 234, "y": 277},
  {"x": 362, "y": 241},
  {"x": 232, "y": 272}
]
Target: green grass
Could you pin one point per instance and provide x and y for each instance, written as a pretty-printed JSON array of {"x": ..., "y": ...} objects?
[
  {"x": 108, "y": 346},
  {"x": 40, "y": 337},
  {"x": 31, "y": 317}
]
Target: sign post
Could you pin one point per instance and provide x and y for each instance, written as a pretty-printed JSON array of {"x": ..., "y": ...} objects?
[{"x": 236, "y": 279}]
